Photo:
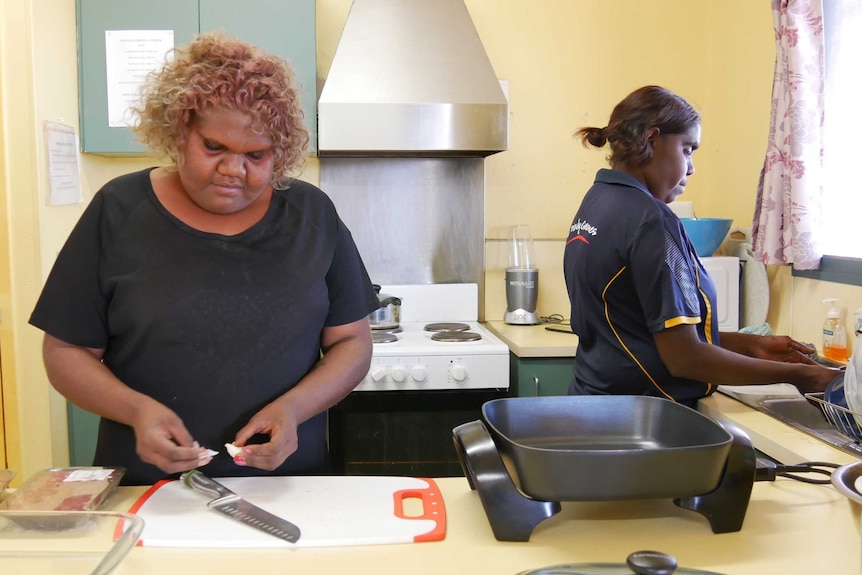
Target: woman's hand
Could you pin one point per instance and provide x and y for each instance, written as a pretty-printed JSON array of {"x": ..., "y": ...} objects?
[
  {"x": 742, "y": 359},
  {"x": 771, "y": 347},
  {"x": 279, "y": 422},
  {"x": 161, "y": 437},
  {"x": 779, "y": 348},
  {"x": 817, "y": 378},
  {"x": 163, "y": 440},
  {"x": 346, "y": 357}
]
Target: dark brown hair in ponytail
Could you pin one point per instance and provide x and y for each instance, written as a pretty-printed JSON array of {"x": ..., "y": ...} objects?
[{"x": 626, "y": 132}]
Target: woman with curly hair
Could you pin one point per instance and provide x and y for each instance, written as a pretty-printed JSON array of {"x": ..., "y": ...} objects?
[
  {"x": 643, "y": 305},
  {"x": 215, "y": 299}
]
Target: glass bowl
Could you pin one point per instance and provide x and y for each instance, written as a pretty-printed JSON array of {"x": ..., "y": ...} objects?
[
  {"x": 68, "y": 542},
  {"x": 6, "y": 476}
]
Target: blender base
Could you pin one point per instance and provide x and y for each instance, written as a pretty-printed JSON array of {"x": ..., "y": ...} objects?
[{"x": 521, "y": 317}]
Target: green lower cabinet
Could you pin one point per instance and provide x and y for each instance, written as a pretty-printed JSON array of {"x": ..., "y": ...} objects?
[
  {"x": 83, "y": 431},
  {"x": 534, "y": 376}
]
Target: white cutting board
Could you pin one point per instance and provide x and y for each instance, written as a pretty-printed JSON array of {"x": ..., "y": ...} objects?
[
  {"x": 329, "y": 511},
  {"x": 751, "y": 394}
]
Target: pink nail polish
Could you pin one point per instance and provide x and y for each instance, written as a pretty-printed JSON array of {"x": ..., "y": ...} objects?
[{"x": 239, "y": 460}]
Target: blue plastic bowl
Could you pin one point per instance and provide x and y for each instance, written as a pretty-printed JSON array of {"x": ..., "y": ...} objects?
[{"x": 706, "y": 233}]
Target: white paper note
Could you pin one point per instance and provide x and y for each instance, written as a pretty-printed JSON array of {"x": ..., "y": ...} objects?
[
  {"x": 129, "y": 56},
  {"x": 64, "y": 181}
]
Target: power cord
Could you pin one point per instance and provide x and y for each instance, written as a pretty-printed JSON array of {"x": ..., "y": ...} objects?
[
  {"x": 556, "y": 318},
  {"x": 767, "y": 470}
]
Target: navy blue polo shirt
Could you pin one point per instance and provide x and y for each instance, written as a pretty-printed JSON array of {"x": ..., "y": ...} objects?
[{"x": 631, "y": 271}]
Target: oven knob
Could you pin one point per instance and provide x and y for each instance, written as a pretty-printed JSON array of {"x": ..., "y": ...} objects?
[
  {"x": 378, "y": 373},
  {"x": 420, "y": 372},
  {"x": 459, "y": 372},
  {"x": 398, "y": 373}
]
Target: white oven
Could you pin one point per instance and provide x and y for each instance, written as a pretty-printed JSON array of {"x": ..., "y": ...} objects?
[{"x": 427, "y": 376}]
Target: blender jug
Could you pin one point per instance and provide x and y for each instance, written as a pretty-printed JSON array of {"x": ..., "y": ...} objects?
[{"x": 522, "y": 279}]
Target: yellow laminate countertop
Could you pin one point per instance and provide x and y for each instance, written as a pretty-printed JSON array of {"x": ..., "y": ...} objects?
[
  {"x": 535, "y": 340},
  {"x": 790, "y": 528}
]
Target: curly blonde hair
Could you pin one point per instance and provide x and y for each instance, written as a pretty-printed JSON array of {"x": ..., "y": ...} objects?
[{"x": 216, "y": 72}]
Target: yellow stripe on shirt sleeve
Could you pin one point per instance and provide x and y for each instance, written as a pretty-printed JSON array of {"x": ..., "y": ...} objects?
[{"x": 681, "y": 320}]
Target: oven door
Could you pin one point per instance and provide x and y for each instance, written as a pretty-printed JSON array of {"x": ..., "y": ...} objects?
[{"x": 407, "y": 433}]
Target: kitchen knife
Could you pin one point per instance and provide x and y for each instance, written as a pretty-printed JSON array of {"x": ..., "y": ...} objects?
[{"x": 231, "y": 504}]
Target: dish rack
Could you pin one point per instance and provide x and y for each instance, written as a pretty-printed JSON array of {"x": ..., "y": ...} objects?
[{"x": 845, "y": 420}]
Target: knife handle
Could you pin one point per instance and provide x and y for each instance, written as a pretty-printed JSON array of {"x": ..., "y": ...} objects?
[{"x": 197, "y": 480}]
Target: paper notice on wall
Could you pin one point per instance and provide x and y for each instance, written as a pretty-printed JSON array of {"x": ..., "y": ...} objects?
[
  {"x": 64, "y": 176},
  {"x": 129, "y": 56}
]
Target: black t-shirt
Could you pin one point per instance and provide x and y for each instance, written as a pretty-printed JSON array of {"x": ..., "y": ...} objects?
[
  {"x": 631, "y": 271},
  {"x": 214, "y": 327}
]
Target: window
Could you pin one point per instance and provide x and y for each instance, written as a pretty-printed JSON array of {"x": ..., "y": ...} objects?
[{"x": 842, "y": 203}]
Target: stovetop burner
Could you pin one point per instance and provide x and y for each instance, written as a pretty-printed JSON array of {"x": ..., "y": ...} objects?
[
  {"x": 396, "y": 329},
  {"x": 456, "y": 336},
  {"x": 436, "y": 327},
  {"x": 381, "y": 336}
]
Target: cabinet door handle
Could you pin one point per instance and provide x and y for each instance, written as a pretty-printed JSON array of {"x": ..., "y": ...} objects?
[{"x": 536, "y": 384}]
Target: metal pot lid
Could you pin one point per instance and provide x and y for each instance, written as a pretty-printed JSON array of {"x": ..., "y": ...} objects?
[
  {"x": 638, "y": 563},
  {"x": 384, "y": 298},
  {"x": 603, "y": 569}
]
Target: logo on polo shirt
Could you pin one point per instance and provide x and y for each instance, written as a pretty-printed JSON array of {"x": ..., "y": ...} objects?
[{"x": 580, "y": 228}]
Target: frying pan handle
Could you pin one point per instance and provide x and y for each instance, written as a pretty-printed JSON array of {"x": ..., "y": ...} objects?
[{"x": 197, "y": 480}]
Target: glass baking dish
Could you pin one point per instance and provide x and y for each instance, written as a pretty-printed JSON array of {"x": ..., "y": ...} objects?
[{"x": 68, "y": 542}]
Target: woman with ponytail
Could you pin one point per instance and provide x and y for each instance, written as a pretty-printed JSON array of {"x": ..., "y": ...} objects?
[{"x": 642, "y": 303}]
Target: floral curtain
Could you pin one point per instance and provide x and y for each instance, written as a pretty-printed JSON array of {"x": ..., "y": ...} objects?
[{"x": 788, "y": 213}]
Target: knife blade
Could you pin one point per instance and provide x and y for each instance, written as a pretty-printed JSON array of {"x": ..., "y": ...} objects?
[{"x": 235, "y": 507}]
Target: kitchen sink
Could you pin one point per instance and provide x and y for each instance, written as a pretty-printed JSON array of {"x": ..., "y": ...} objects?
[{"x": 805, "y": 415}]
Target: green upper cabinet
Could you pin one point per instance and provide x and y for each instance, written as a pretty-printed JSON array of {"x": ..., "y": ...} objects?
[{"x": 284, "y": 27}]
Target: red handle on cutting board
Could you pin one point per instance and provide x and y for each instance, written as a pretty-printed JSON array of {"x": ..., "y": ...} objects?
[{"x": 432, "y": 507}]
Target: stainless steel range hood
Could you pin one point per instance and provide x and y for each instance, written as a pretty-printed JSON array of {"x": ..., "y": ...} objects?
[{"x": 411, "y": 78}]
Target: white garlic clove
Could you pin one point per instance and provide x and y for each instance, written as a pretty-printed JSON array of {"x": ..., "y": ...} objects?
[{"x": 232, "y": 449}]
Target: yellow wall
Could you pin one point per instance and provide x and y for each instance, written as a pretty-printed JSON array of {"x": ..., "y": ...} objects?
[
  {"x": 26, "y": 406},
  {"x": 570, "y": 62},
  {"x": 567, "y": 62}
]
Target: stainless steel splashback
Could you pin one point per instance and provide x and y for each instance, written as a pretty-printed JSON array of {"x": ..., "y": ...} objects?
[{"x": 414, "y": 220}]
